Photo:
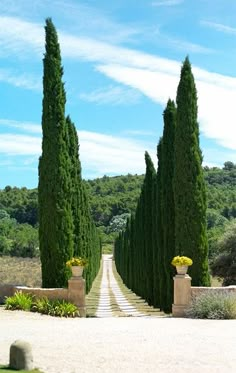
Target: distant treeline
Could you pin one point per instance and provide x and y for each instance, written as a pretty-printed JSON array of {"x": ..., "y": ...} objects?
[{"x": 112, "y": 196}]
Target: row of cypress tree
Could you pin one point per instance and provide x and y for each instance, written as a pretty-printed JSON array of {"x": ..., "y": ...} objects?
[
  {"x": 65, "y": 225},
  {"x": 170, "y": 218}
]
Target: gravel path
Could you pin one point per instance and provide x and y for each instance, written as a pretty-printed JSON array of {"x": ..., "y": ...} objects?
[
  {"x": 127, "y": 345},
  {"x": 109, "y": 285}
]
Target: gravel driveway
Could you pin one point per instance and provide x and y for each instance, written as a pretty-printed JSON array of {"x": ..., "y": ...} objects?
[{"x": 124, "y": 345}]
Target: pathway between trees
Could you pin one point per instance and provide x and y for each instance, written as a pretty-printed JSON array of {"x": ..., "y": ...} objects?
[{"x": 114, "y": 298}]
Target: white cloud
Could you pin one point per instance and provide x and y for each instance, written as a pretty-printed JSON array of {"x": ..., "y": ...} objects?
[
  {"x": 112, "y": 95},
  {"x": 215, "y": 157},
  {"x": 12, "y": 144},
  {"x": 104, "y": 154},
  {"x": 20, "y": 80},
  {"x": 100, "y": 154},
  {"x": 187, "y": 47},
  {"x": 153, "y": 76},
  {"x": 220, "y": 27},
  {"x": 216, "y": 93},
  {"x": 167, "y": 2},
  {"x": 20, "y": 37},
  {"x": 23, "y": 126}
]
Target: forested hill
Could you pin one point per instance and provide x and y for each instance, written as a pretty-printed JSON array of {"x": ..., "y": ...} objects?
[{"x": 112, "y": 196}]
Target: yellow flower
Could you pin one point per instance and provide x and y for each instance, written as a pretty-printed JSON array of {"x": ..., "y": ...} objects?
[{"x": 181, "y": 261}]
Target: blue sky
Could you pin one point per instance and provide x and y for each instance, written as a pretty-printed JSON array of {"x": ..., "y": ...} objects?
[{"x": 122, "y": 62}]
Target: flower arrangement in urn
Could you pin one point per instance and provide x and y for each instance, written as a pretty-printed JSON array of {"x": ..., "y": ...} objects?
[
  {"x": 77, "y": 266},
  {"x": 77, "y": 262},
  {"x": 181, "y": 263}
]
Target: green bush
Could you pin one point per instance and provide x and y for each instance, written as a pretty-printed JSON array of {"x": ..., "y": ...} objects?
[
  {"x": 59, "y": 308},
  {"x": 28, "y": 302},
  {"x": 19, "y": 301},
  {"x": 213, "y": 305}
]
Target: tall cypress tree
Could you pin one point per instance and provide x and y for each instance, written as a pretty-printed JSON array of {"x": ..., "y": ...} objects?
[
  {"x": 159, "y": 221},
  {"x": 168, "y": 208},
  {"x": 149, "y": 183},
  {"x": 189, "y": 187},
  {"x": 55, "y": 215},
  {"x": 76, "y": 186}
]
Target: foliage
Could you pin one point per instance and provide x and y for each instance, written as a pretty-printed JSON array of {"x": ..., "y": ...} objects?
[
  {"x": 74, "y": 262},
  {"x": 213, "y": 305},
  {"x": 189, "y": 186},
  {"x": 167, "y": 205},
  {"x": 117, "y": 223},
  {"x": 55, "y": 212},
  {"x": 134, "y": 248},
  {"x": 66, "y": 228},
  {"x": 18, "y": 239},
  {"x": 59, "y": 308},
  {"x": 28, "y": 302},
  {"x": 181, "y": 261},
  {"x": 19, "y": 301},
  {"x": 224, "y": 265}
]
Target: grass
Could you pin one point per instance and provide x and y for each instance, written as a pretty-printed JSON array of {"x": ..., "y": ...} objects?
[
  {"x": 92, "y": 298},
  {"x": 20, "y": 271},
  {"x": 6, "y": 369}
]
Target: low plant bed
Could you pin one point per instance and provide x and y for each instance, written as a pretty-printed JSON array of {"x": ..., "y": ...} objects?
[
  {"x": 28, "y": 302},
  {"x": 213, "y": 305}
]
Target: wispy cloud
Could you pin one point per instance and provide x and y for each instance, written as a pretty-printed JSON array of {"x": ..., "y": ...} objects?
[
  {"x": 139, "y": 133},
  {"x": 112, "y": 95},
  {"x": 104, "y": 154},
  {"x": 26, "y": 81},
  {"x": 100, "y": 154},
  {"x": 22, "y": 126},
  {"x": 220, "y": 27},
  {"x": 12, "y": 144},
  {"x": 17, "y": 34},
  {"x": 167, "y": 2},
  {"x": 186, "y": 46},
  {"x": 217, "y": 96},
  {"x": 153, "y": 76}
]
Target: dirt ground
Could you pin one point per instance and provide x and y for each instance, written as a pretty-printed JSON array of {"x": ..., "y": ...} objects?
[{"x": 127, "y": 345}]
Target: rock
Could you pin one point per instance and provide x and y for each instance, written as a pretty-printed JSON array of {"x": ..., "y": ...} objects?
[{"x": 21, "y": 355}]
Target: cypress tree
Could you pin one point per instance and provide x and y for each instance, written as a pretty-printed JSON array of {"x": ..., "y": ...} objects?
[
  {"x": 55, "y": 215},
  {"x": 76, "y": 187},
  {"x": 159, "y": 221},
  {"x": 189, "y": 187},
  {"x": 149, "y": 183},
  {"x": 168, "y": 208}
]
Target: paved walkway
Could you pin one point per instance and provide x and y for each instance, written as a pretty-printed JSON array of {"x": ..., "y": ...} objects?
[{"x": 111, "y": 289}]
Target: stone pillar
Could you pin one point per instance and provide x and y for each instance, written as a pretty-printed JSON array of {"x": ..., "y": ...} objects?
[
  {"x": 21, "y": 357},
  {"x": 76, "y": 294},
  {"x": 182, "y": 295}
]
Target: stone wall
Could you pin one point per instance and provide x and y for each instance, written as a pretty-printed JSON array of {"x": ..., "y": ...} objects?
[
  {"x": 184, "y": 293},
  {"x": 197, "y": 290},
  {"x": 74, "y": 294}
]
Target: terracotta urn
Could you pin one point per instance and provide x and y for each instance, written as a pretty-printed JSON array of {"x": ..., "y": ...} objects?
[
  {"x": 181, "y": 270},
  {"x": 77, "y": 271}
]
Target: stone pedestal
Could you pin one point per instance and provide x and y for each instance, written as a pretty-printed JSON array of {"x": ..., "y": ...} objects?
[
  {"x": 182, "y": 295},
  {"x": 76, "y": 294},
  {"x": 21, "y": 357}
]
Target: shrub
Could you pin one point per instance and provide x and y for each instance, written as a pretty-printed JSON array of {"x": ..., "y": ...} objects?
[
  {"x": 19, "y": 301},
  {"x": 27, "y": 302},
  {"x": 59, "y": 308},
  {"x": 213, "y": 305}
]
